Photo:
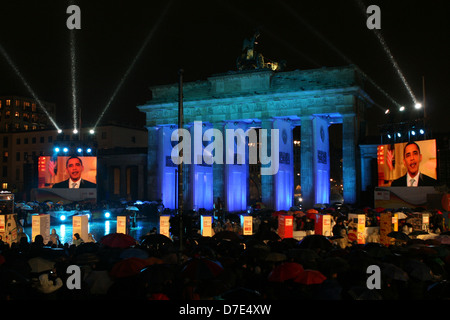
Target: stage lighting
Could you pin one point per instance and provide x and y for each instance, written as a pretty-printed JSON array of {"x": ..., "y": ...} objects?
[
  {"x": 413, "y": 132},
  {"x": 402, "y": 108},
  {"x": 89, "y": 150},
  {"x": 66, "y": 149},
  {"x": 57, "y": 149},
  {"x": 107, "y": 214},
  {"x": 418, "y": 105},
  {"x": 399, "y": 134},
  {"x": 62, "y": 218},
  {"x": 75, "y": 131},
  {"x": 79, "y": 150},
  {"x": 387, "y": 111},
  {"x": 422, "y": 131},
  {"x": 59, "y": 131},
  {"x": 389, "y": 136},
  {"x": 91, "y": 131}
]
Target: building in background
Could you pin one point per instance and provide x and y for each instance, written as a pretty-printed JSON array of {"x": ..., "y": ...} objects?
[
  {"x": 121, "y": 158},
  {"x": 19, "y": 114}
]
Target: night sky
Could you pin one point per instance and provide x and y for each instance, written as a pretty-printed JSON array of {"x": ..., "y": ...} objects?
[{"x": 205, "y": 38}]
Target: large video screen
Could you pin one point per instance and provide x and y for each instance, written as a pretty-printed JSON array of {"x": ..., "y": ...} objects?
[
  {"x": 407, "y": 164},
  {"x": 64, "y": 172}
]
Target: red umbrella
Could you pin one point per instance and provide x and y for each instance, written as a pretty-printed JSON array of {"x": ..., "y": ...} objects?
[
  {"x": 118, "y": 240},
  {"x": 285, "y": 271},
  {"x": 201, "y": 269},
  {"x": 128, "y": 267},
  {"x": 310, "y": 276},
  {"x": 311, "y": 214}
]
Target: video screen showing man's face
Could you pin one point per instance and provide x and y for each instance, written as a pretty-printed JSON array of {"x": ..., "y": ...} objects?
[
  {"x": 407, "y": 164},
  {"x": 67, "y": 172}
]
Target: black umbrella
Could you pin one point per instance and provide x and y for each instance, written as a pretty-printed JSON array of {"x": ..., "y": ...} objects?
[
  {"x": 398, "y": 235},
  {"x": 267, "y": 235},
  {"x": 227, "y": 235},
  {"x": 155, "y": 239},
  {"x": 315, "y": 241},
  {"x": 418, "y": 232}
]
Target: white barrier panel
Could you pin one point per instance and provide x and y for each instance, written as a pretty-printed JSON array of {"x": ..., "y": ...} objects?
[
  {"x": 80, "y": 225},
  {"x": 40, "y": 225}
]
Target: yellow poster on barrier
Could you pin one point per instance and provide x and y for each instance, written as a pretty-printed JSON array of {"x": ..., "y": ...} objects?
[
  {"x": 122, "y": 225},
  {"x": 357, "y": 228},
  {"x": 164, "y": 225},
  {"x": 247, "y": 225},
  {"x": 206, "y": 226}
]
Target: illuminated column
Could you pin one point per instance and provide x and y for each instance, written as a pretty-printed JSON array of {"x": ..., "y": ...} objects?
[
  {"x": 307, "y": 162},
  {"x": 167, "y": 184},
  {"x": 267, "y": 185},
  {"x": 321, "y": 160},
  {"x": 201, "y": 182},
  {"x": 152, "y": 164},
  {"x": 236, "y": 168},
  {"x": 283, "y": 180},
  {"x": 348, "y": 157},
  {"x": 218, "y": 171}
]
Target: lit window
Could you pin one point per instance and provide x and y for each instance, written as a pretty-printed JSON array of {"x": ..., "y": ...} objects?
[
  {"x": 17, "y": 103},
  {"x": 17, "y": 114},
  {"x": 25, "y": 126},
  {"x": 5, "y": 185},
  {"x": 8, "y": 102}
]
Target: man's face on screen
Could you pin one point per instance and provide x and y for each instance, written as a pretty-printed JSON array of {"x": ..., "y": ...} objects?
[
  {"x": 412, "y": 159},
  {"x": 74, "y": 169}
]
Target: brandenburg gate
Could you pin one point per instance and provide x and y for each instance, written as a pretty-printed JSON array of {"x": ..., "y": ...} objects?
[{"x": 261, "y": 99}]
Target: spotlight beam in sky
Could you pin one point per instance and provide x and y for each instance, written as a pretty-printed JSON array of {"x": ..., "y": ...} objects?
[
  {"x": 339, "y": 52},
  {"x": 73, "y": 77},
  {"x": 122, "y": 80},
  {"x": 27, "y": 85},
  {"x": 389, "y": 54}
]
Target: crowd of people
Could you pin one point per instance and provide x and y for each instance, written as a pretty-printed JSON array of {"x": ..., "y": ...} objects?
[{"x": 229, "y": 265}]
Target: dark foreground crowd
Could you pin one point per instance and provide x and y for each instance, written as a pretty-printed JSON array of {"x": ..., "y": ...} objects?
[{"x": 225, "y": 266}]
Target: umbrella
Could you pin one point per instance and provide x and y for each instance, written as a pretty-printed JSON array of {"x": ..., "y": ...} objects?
[
  {"x": 39, "y": 264},
  {"x": 118, "y": 240},
  {"x": 310, "y": 276},
  {"x": 227, "y": 235},
  {"x": 156, "y": 241},
  {"x": 158, "y": 274},
  {"x": 398, "y": 235},
  {"x": 315, "y": 241},
  {"x": 285, "y": 271},
  {"x": 443, "y": 239},
  {"x": 132, "y": 208},
  {"x": 275, "y": 257},
  {"x": 401, "y": 215},
  {"x": 418, "y": 270},
  {"x": 393, "y": 272},
  {"x": 267, "y": 235},
  {"x": 128, "y": 267},
  {"x": 86, "y": 258},
  {"x": 241, "y": 293},
  {"x": 133, "y": 252},
  {"x": 201, "y": 269},
  {"x": 418, "y": 232}
]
